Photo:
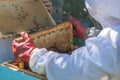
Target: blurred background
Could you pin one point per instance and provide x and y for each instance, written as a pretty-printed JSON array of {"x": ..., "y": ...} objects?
[{"x": 76, "y": 8}]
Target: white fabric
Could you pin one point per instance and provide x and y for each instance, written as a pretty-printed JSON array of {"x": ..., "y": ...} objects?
[
  {"x": 105, "y": 11},
  {"x": 98, "y": 58}
]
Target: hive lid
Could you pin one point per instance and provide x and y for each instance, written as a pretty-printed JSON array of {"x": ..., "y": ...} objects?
[{"x": 23, "y": 15}]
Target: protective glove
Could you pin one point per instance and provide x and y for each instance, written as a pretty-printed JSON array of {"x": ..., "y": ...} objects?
[
  {"x": 22, "y": 50},
  {"x": 79, "y": 30}
]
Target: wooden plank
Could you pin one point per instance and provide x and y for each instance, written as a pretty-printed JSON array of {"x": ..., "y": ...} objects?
[{"x": 23, "y": 15}]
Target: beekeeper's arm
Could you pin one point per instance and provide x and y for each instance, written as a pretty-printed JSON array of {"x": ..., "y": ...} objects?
[
  {"x": 81, "y": 31},
  {"x": 91, "y": 62}
]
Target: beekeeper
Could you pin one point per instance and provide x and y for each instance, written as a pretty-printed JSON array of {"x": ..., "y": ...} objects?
[{"x": 99, "y": 57}]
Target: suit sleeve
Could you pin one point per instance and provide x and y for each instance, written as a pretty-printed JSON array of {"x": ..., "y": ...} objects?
[{"x": 91, "y": 62}]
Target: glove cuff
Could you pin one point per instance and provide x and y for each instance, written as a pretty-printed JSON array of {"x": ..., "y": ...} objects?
[
  {"x": 81, "y": 31},
  {"x": 26, "y": 56}
]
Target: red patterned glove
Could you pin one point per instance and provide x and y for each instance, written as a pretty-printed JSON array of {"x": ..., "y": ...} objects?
[
  {"x": 79, "y": 30},
  {"x": 22, "y": 50}
]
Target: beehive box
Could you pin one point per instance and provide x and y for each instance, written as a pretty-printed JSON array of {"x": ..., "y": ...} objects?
[
  {"x": 32, "y": 17},
  {"x": 17, "y": 16},
  {"x": 24, "y": 15},
  {"x": 13, "y": 65}
]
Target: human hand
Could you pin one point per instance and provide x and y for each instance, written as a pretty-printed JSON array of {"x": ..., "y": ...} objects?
[
  {"x": 48, "y": 5},
  {"x": 22, "y": 50},
  {"x": 79, "y": 30}
]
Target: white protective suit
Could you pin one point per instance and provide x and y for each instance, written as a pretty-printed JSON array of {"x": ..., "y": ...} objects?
[{"x": 98, "y": 58}]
